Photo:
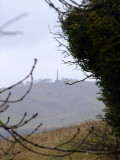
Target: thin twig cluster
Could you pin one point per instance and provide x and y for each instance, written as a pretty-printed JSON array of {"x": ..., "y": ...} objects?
[
  {"x": 69, "y": 5},
  {"x": 62, "y": 39}
]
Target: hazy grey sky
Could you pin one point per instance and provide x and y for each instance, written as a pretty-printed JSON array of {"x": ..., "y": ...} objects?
[{"x": 17, "y": 53}]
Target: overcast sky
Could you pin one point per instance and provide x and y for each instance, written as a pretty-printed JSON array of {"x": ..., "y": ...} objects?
[{"x": 17, "y": 53}]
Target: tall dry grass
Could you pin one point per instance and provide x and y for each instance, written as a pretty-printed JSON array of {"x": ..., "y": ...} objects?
[{"x": 53, "y": 138}]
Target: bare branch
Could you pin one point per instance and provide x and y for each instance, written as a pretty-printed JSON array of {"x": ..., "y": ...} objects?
[
  {"x": 68, "y": 7},
  {"x": 9, "y": 88},
  {"x": 8, "y": 23},
  {"x": 82, "y": 80}
]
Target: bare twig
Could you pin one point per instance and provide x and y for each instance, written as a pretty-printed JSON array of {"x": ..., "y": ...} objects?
[
  {"x": 9, "y": 88},
  {"x": 8, "y": 23},
  {"x": 82, "y": 80}
]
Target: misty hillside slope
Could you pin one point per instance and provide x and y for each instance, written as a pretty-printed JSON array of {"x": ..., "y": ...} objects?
[{"x": 58, "y": 103}]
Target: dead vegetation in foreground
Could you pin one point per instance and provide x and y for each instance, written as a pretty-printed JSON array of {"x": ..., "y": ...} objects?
[{"x": 95, "y": 141}]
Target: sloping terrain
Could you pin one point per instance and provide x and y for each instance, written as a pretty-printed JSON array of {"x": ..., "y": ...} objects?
[
  {"x": 57, "y": 104},
  {"x": 56, "y": 137}
]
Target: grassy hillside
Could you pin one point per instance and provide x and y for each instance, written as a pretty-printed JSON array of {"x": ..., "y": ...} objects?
[
  {"x": 57, "y": 137},
  {"x": 49, "y": 138},
  {"x": 57, "y": 104}
]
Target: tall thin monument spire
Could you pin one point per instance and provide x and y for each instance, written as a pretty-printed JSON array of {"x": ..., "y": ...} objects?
[{"x": 57, "y": 78}]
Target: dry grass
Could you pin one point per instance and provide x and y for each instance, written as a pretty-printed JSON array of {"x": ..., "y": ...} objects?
[{"x": 53, "y": 138}]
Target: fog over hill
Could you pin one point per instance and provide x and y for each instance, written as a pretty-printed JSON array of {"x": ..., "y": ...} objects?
[{"x": 56, "y": 103}]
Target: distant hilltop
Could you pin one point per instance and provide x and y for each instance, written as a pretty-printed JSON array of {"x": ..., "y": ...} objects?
[{"x": 48, "y": 80}]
